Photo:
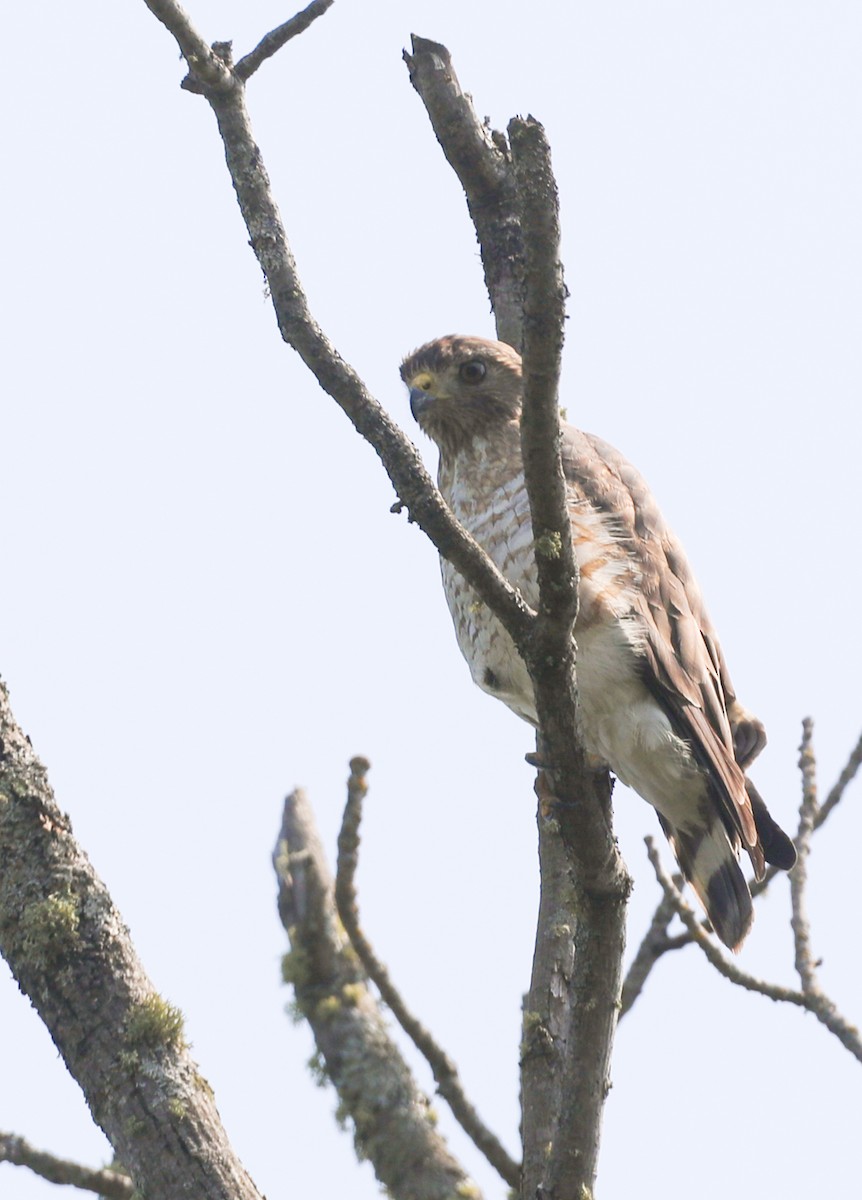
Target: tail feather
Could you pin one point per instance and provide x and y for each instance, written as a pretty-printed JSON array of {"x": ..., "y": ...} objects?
[
  {"x": 709, "y": 862},
  {"x": 778, "y": 848}
]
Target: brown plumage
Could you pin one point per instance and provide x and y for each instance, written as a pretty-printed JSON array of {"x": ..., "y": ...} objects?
[{"x": 657, "y": 704}]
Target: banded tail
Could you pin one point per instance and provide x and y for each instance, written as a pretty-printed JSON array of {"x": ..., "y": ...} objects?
[{"x": 709, "y": 861}]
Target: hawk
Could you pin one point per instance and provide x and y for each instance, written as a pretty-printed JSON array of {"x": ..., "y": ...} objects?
[{"x": 656, "y": 702}]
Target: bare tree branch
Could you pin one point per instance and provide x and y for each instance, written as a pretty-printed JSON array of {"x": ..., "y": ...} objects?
[
  {"x": 480, "y": 158},
  {"x": 814, "y": 1001},
  {"x": 803, "y": 958},
  {"x": 70, "y": 953},
  {"x": 112, "y": 1185},
  {"x": 544, "y": 319},
  {"x": 400, "y": 458},
  {"x": 444, "y": 1070},
  {"x": 655, "y": 943},
  {"x": 276, "y": 38},
  {"x": 758, "y": 887},
  {"x": 585, "y": 887},
  {"x": 391, "y": 1117},
  {"x": 837, "y": 790},
  {"x": 205, "y": 65}
]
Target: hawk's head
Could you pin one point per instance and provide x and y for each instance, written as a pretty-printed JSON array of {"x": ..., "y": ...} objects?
[{"x": 462, "y": 388}]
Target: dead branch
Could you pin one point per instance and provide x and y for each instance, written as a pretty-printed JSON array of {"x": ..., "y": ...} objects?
[
  {"x": 656, "y": 942},
  {"x": 803, "y": 958},
  {"x": 444, "y": 1070},
  {"x": 480, "y": 158},
  {"x": 821, "y": 814},
  {"x": 70, "y": 953},
  {"x": 392, "y": 1120},
  {"x": 273, "y": 41},
  {"x": 814, "y": 1001}
]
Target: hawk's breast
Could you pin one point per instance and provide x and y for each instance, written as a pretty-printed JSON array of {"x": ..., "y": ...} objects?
[{"x": 494, "y": 507}]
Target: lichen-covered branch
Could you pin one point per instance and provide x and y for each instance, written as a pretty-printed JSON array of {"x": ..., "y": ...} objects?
[
  {"x": 70, "y": 953},
  {"x": 444, "y": 1070},
  {"x": 107, "y": 1183},
  {"x": 393, "y": 1124}
]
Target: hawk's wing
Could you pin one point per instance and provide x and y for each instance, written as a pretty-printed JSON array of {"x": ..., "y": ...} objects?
[{"x": 683, "y": 663}]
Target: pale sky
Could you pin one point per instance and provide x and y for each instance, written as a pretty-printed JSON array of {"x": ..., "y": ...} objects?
[{"x": 206, "y": 601}]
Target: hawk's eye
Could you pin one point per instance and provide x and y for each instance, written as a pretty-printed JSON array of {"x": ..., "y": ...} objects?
[{"x": 472, "y": 371}]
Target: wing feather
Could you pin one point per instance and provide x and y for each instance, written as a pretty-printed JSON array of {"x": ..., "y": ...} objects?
[{"x": 683, "y": 663}]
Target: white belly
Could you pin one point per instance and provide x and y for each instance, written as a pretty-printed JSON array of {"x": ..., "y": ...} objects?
[{"x": 622, "y": 724}]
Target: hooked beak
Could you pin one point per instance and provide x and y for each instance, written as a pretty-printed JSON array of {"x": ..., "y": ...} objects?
[{"x": 420, "y": 401}]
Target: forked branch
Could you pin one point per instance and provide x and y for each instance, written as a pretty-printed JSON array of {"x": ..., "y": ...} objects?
[
  {"x": 444, "y": 1070},
  {"x": 812, "y": 818},
  {"x": 391, "y": 1116}
]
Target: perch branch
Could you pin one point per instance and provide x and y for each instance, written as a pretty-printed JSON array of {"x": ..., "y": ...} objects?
[
  {"x": 585, "y": 823},
  {"x": 544, "y": 319},
  {"x": 444, "y": 1070},
  {"x": 111, "y": 1185},
  {"x": 814, "y": 1001},
  {"x": 70, "y": 953},
  {"x": 391, "y": 1116},
  {"x": 573, "y": 1003}
]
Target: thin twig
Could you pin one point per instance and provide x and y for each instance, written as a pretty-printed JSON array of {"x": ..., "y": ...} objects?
[
  {"x": 814, "y": 1002},
  {"x": 655, "y": 943},
  {"x": 803, "y": 958},
  {"x": 273, "y": 41},
  {"x": 444, "y": 1070},
  {"x": 758, "y": 887},
  {"x": 113, "y": 1185},
  {"x": 837, "y": 790},
  {"x": 390, "y": 1114}
]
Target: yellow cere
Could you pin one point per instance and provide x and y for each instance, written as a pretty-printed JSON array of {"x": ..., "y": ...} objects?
[{"x": 424, "y": 381}]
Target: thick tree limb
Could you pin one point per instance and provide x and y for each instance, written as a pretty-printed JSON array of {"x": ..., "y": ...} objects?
[
  {"x": 444, "y": 1070},
  {"x": 393, "y": 1123},
  {"x": 112, "y": 1185},
  {"x": 574, "y": 995},
  {"x": 70, "y": 953},
  {"x": 480, "y": 158}
]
